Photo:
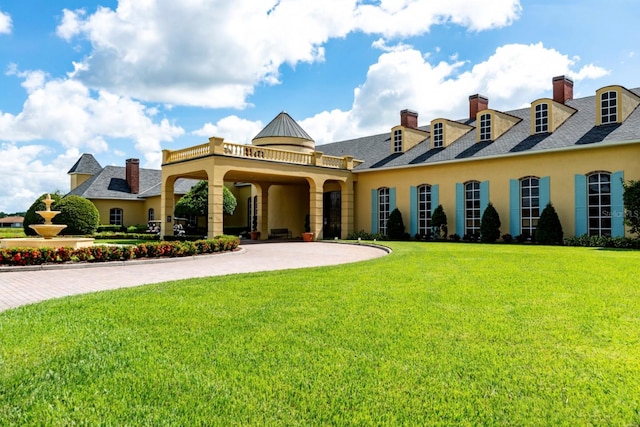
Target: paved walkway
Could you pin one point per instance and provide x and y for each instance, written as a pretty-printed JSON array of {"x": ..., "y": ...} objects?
[{"x": 25, "y": 285}]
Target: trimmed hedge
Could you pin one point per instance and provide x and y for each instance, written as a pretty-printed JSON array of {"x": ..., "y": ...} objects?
[
  {"x": 100, "y": 253},
  {"x": 602, "y": 242}
]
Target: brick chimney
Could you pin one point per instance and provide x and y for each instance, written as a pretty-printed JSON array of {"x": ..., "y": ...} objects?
[
  {"x": 133, "y": 175},
  {"x": 477, "y": 103},
  {"x": 562, "y": 89},
  {"x": 409, "y": 119}
]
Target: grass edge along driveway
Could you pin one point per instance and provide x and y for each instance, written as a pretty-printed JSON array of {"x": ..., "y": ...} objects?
[{"x": 433, "y": 334}]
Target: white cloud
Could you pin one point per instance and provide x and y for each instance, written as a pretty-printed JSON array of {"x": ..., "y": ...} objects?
[
  {"x": 512, "y": 77},
  {"x": 25, "y": 175},
  {"x": 214, "y": 53},
  {"x": 66, "y": 111},
  {"x": 5, "y": 23},
  {"x": 232, "y": 129}
]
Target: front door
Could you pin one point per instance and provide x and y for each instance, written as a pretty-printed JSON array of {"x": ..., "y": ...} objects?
[{"x": 332, "y": 214}]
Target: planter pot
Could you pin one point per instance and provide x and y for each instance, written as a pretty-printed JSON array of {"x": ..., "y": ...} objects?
[
  {"x": 307, "y": 237},
  {"x": 255, "y": 235}
]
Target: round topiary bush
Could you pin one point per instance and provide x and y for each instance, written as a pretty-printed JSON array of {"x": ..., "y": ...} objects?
[
  {"x": 79, "y": 214},
  {"x": 31, "y": 217}
]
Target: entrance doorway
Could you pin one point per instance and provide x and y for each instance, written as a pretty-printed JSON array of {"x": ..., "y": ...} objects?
[{"x": 332, "y": 214}]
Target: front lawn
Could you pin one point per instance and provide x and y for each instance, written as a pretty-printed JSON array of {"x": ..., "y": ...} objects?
[{"x": 433, "y": 334}]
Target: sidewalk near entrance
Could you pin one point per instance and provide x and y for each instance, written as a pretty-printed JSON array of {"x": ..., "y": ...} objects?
[{"x": 21, "y": 286}]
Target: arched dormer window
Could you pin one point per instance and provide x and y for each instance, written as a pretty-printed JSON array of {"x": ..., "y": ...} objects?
[
  {"x": 541, "y": 118},
  {"x": 397, "y": 141},
  {"x": 485, "y": 127},
  {"x": 609, "y": 107},
  {"x": 614, "y": 104},
  {"x": 437, "y": 135}
]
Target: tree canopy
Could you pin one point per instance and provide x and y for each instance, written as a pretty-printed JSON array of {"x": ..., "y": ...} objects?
[{"x": 196, "y": 201}]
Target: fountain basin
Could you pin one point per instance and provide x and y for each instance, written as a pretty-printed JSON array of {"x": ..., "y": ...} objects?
[
  {"x": 55, "y": 242},
  {"x": 48, "y": 231}
]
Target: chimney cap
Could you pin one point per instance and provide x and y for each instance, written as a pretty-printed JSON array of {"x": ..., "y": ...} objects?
[
  {"x": 408, "y": 111},
  {"x": 478, "y": 96},
  {"x": 565, "y": 78}
]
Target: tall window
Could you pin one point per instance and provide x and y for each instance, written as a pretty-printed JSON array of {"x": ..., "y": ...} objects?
[
  {"x": 152, "y": 214},
  {"x": 485, "y": 127},
  {"x": 383, "y": 210},
  {"x": 249, "y": 212},
  {"x": 609, "y": 107},
  {"x": 529, "y": 205},
  {"x": 115, "y": 216},
  {"x": 437, "y": 133},
  {"x": 599, "y": 203},
  {"x": 424, "y": 209},
  {"x": 397, "y": 141},
  {"x": 542, "y": 118},
  {"x": 472, "y": 207}
]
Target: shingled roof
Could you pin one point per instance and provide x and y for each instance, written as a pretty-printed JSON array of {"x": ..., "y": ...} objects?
[
  {"x": 283, "y": 126},
  {"x": 578, "y": 130},
  {"x": 86, "y": 164},
  {"x": 110, "y": 183}
]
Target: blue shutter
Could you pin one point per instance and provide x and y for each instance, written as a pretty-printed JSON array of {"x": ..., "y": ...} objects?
[
  {"x": 545, "y": 187},
  {"x": 459, "y": 209},
  {"x": 374, "y": 211},
  {"x": 392, "y": 199},
  {"x": 617, "y": 204},
  {"x": 484, "y": 196},
  {"x": 413, "y": 215},
  {"x": 581, "y": 204},
  {"x": 435, "y": 197},
  {"x": 514, "y": 207}
]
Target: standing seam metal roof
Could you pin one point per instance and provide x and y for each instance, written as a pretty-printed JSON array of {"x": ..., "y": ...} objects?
[{"x": 283, "y": 126}]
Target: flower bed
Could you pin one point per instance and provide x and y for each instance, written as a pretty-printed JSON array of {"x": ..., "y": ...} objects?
[{"x": 103, "y": 253}]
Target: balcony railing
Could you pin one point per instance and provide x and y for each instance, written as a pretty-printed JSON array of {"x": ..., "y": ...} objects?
[{"x": 217, "y": 146}]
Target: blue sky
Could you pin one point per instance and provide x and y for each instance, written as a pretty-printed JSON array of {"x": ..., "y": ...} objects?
[{"x": 123, "y": 79}]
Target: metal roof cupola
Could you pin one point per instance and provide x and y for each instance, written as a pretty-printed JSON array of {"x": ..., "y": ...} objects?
[{"x": 285, "y": 134}]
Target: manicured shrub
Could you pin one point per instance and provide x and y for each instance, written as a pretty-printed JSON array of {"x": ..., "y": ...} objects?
[
  {"x": 507, "y": 238},
  {"x": 395, "y": 226},
  {"x": 455, "y": 237},
  {"x": 631, "y": 200},
  {"x": 490, "y": 225},
  {"x": 549, "y": 230},
  {"x": 365, "y": 236},
  {"x": 79, "y": 214},
  {"x": 31, "y": 217},
  {"x": 439, "y": 223}
]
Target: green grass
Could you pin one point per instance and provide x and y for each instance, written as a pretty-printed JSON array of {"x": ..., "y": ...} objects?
[
  {"x": 434, "y": 334},
  {"x": 11, "y": 232}
]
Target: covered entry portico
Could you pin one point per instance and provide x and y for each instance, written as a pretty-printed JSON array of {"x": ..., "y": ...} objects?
[{"x": 287, "y": 185}]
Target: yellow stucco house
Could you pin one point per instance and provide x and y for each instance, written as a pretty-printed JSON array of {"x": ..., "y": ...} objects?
[{"x": 574, "y": 153}]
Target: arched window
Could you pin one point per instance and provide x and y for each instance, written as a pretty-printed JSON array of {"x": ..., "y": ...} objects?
[
  {"x": 424, "y": 209},
  {"x": 609, "y": 107},
  {"x": 472, "y": 208},
  {"x": 529, "y": 205},
  {"x": 599, "y": 203},
  {"x": 542, "y": 118},
  {"x": 152, "y": 214},
  {"x": 383, "y": 210},
  {"x": 115, "y": 216}
]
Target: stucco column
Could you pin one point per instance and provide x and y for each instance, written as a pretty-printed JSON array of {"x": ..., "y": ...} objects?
[
  {"x": 316, "y": 200},
  {"x": 166, "y": 206},
  {"x": 263, "y": 210},
  {"x": 216, "y": 207},
  {"x": 347, "y": 220}
]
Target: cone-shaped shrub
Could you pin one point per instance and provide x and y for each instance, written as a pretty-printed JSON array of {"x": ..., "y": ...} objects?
[
  {"x": 490, "y": 225},
  {"x": 549, "y": 230},
  {"x": 395, "y": 225}
]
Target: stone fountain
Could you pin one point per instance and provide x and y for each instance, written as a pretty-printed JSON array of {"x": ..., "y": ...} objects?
[{"x": 48, "y": 233}]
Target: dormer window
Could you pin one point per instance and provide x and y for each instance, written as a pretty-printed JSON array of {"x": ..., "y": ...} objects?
[
  {"x": 437, "y": 133},
  {"x": 485, "y": 127},
  {"x": 609, "y": 107},
  {"x": 542, "y": 118},
  {"x": 397, "y": 141}
]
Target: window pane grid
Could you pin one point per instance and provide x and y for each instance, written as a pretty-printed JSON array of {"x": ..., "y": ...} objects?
[
  {"x": 472, "y": 208},
  {"x": 424, "y": 209},
  {"x": 529, "y": 206},
  {"x": 599, "y": 204},
  {"x": 397, "y": 141},
  {"x": 609, "y": 107},
  {"x": 542, "y": 118},
  {"x": 438, "y": 135},
  {"x": 485, "y": 127},
  {"x": 383, "y": 210},
  {"x": 115, "y": 216}
]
